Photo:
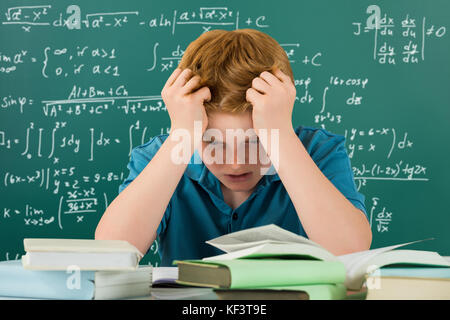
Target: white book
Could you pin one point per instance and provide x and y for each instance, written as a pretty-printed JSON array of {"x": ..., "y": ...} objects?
[
  {"x": 123, "y": 284},
  {"x": 142, "y": 275},
  {"x": 273, "y": 241},
  {"x": 123, "y": 291},
  {"x": 84, "y": 254}
]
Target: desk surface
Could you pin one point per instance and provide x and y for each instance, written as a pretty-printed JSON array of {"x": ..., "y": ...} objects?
[{"x": 190, "y": 294}]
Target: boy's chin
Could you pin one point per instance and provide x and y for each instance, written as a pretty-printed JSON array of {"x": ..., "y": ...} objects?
[{"x": 240, "y": 187}]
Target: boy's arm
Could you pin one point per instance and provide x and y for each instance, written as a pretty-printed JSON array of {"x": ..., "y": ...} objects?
[
  {"x": 327, "y": 216},
  {"x": 136, "y": 212},
  {"x": 134, "y": 215}
]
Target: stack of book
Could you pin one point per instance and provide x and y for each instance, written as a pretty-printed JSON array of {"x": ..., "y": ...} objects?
[
  {"x": 409, "y": 283},
  {"x": 269, "y": 262},
  {"x": 75, "y": 269}
]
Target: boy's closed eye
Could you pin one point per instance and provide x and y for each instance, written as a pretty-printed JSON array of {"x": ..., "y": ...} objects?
[
  {"x": 214, "y": 142},
  {"x": 218, "y": 142}
]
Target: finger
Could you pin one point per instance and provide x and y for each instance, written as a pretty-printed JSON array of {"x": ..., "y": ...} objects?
[
  {"x": 260, "y": 85},
  {"x": 252, "y": 95},
  {"x": 172, "y": 77},
  {"x": 183, "y": 78},
  {"x": 270, "y": 78},
  {"x": 191, "y": 85},
  {"x": 281, "y": 75},
  {"x": 204, "y": 94}
]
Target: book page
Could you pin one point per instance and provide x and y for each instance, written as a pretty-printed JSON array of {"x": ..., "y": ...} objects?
[
  {"x": 357, "y": 263},
  {"x": 352, "y": 260},
  {"x": 355, "y": 276},
  {"x": 256, "y": 236},
  {"x": 276, "y": 250},
  {"x": 164, "y": 274}
]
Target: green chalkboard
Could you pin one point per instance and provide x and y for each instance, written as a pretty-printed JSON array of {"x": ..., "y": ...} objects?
[{"x": 80, "y": 87}]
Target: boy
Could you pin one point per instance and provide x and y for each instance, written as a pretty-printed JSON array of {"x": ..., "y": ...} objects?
[{"x": 235, "y": 81}]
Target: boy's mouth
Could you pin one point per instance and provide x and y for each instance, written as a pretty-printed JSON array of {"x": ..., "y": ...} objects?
[{"x": 239, "y": 177}]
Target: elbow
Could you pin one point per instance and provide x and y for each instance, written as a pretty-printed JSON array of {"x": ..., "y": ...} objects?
[
  {"x": 362, "y": 244},
  {"x": 364, "y": 240},
  {"x": 107, "y": 229},
  {"x": 361, "y": 241},
  {"x": 369, "y": 238},
  {"x": 99, "y": 234},
  {"x": 358, "y": 245},
  {"x": 100, "y": 231}
]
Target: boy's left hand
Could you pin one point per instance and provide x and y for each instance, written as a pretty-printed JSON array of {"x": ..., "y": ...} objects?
[{"x": 272, "y": 96}]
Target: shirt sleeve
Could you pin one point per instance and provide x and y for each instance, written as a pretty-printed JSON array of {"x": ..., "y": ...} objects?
[
  {"x": 139, "y": 158},
  {"x": 330, "y": 155}
]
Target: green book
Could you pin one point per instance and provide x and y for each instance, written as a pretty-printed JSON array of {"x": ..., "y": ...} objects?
[
  {"x": 255, "y": 273},
  {"x": 330, "y": 291}
]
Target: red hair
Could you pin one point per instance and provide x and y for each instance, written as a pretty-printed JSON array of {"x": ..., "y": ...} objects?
[{"x": 228, "y": 61}]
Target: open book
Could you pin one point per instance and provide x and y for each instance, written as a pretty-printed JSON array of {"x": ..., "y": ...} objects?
[{"x": 271, "y": 241}]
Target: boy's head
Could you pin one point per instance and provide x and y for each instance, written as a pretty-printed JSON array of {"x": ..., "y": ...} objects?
[{"x": 227, "y": 62}]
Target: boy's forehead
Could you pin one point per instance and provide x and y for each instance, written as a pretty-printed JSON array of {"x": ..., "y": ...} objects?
[
  {"x": 232, "y": 125},
  {"x": 226, "y": 120},
  {"x": 229, "y": 135}
]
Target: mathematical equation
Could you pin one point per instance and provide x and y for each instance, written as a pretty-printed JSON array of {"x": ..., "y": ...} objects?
[
  {"x": 79, "y": 60},
  {"x": 57, "y": 140},
  {"x": 70, "y": 106},
  {"x": 414, "y": 34},
  {"x": 98, "y": 103},
  {"x": 379, "y": 215},
  {"x": 77, "y": 194},
  {"x": 399, "y": 171},
  {"x": 73, "y": 18},
  {"x": 353, "y": 134}
]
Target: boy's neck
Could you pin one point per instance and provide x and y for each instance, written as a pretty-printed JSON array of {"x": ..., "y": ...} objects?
[{"x": 234, "y": 198}]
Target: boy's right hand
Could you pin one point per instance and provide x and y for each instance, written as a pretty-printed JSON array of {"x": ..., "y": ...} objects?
[{"x": 183, "y": 103}]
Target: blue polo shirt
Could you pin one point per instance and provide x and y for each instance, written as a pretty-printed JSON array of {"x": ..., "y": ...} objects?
[{"x": 197, "y": 212}]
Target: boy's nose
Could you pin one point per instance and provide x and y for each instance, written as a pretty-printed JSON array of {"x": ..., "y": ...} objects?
[
  {"x": 235, "y": 166},
  {"x": 239, "y": 158}
]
